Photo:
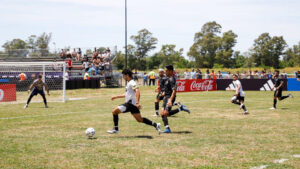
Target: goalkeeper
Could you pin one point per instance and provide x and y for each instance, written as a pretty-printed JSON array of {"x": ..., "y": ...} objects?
[{"x": 38, "y": 88}]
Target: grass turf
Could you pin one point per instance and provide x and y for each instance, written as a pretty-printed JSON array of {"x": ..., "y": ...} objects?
[{"x": 214, "y": 135}]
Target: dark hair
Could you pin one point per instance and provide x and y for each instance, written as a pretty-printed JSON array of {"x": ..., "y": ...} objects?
[
  {"x": 40, "y": 76},
  {"x": 127, "y": 72},
  {"x": 277, "y": 71},
  {"x": 170, "y": 67}
]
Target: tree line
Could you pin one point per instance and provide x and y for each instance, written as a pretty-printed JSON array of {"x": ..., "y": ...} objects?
[{"x": 212, "y": 48}]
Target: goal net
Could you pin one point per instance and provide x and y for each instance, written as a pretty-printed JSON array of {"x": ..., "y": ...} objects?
[{"x": 16, "y": 78}]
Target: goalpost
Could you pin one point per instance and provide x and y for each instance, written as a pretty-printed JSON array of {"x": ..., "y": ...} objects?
[{"x": 16, "y": 78}]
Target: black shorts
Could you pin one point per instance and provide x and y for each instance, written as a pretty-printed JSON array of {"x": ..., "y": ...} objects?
[
  {"x": 128, "y": 107},
  {"x": 159, "y": 96},
  {"x": 239, "y": 98},
  {"x": 36, "y": 91},
  {"x": 278, "y": 93},
  {"x": 165, "y": 104}
]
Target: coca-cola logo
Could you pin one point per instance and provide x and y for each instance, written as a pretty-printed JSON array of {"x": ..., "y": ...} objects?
[
  {"x": 200, "y": 86},
  {"x": 181, "y": 86}
]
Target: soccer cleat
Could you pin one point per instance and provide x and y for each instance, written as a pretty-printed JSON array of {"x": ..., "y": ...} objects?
[
  {"x": 158, "y": 128},
  {"x": 246, "y": 113},
  {"x": 167, "y": 130},
  {"x": 46, "y": 106},
  {"x": 156, "y": 114},
  {"x": 272, "y": 108},
  {"x": 113, "y": 131},
  {"x": 183, "y": 108},
  {"x": 290, "y": 96},
  {"x": 25, "y": 106}
]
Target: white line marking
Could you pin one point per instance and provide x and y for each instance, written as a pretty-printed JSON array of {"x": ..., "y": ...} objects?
[
  {"x": 77, "y": 98},
  {"x": 296, "y": 156},
  {"x": 281, "y": 160},
  {"x": 260, "y": 167}
]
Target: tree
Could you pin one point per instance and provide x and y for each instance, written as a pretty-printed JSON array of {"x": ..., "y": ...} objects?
[
  {"x": 15, "y": 47},
  {"x": 225, "y": 51},
  {"x": 168, "y": 55},
  {"x": 292, "y": 56},
  {"x": 206, "y": 44},
  {"x": 132, "y": 59},
  {"x": 267, "y": 50},
  {"x": 144, "y": 42},
  {"x": 239, "y": 60},
  {"x": 119, "y": 61}
]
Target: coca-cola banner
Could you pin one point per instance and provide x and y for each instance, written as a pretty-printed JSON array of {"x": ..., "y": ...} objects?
[{"x": 196, "y": 85}]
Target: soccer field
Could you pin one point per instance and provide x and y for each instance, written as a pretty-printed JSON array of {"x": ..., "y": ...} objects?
[{"x": 214, "y": 135}]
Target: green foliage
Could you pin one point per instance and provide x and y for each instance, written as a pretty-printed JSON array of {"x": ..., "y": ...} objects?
[
  {"x": 119, "y": 60},
  {"x": 292, "y": 56}
]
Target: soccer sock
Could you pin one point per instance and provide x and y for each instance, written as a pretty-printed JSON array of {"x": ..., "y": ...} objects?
[
  {"x": 165, "y": 120},
  {"x": 175, "y": 104},
  {"x": 29, "y": 99},
  {"x": 274, "y": 103},
  {"x": 156, "y": 107},
  {"x": 235, "y": 102},
  {"x": 45, "y": 100},
  {"x": 284, "y": 97},
  {"x": 116, "y": 121},
  {"x": 149, "y": 122},
  {"x": 172, "y": 112},
  {"x": 244, "y": 108}
]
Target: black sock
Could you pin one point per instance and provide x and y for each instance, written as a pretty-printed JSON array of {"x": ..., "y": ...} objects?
[
  {"x": 274, "y": 103},
  {"x": 116, "y": 121},
  {"x": 45, "y": 100},
  {"x": 244, "y": 108},
  {"x": 156, "y": 107},
  {"x": 172, "y": 112},
  {"x": 235, "y": 102},
  {"x": 165, "y": 120},
  {"x": 29, "y": 99},
  {"x": 149, "y": 122},
  {"x": 284, "y": 97}
]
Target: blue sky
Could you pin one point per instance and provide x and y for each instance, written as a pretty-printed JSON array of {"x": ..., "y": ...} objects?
[{"x": 89, "y": 23}]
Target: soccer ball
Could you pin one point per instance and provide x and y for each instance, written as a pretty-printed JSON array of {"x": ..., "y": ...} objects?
[{"x": 90, "y": 132}]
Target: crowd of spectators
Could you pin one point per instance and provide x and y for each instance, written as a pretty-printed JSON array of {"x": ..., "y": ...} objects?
[{"x": 98, "y": 63}]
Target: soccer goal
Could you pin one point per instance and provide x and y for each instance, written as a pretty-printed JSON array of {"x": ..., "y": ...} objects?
[{"x": 16, "y": 78}]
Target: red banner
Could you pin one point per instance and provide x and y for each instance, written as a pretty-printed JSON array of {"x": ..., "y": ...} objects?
[
  {"x": 196, "y": 85},
  {"x": 8, "y": 92}
]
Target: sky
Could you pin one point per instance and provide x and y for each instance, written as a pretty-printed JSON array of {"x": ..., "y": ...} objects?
[{"x": 91, "y": 23}]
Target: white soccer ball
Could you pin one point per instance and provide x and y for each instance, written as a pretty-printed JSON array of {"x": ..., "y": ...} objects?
[{"x": 90, "y": 132}]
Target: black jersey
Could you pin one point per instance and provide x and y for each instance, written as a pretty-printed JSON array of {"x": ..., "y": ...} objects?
[
  {"x": 298, "y": 75},
  {"x": 162, "y": 81},
  {"x": 278, "y": 82},
  {"x": 170, "y": 85}
]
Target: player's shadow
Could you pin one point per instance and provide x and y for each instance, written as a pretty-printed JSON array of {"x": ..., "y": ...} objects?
[
  {"x": 284, "y": 108},
  {"x": 133, "y": 137},
  {"x": 93, "y": 138},
  {"x": 181, "y": 132}
]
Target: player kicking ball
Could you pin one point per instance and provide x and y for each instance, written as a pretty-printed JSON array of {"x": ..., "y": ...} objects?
[
  {"x": 278, "y": 90},
  {"x": 239, "y": 96},
  {"x": 38, "y": 88},
  {"x": 132, "y": 98},
  {"x": 170, "y": 88}
]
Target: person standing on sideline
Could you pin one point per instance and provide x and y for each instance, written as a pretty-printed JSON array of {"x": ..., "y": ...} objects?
[{"x": 152, "y": 77}]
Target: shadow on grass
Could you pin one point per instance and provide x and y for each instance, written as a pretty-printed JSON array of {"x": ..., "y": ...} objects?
[
  {"x": 284, "y": 108},
  {"x": 133, "y": 137},
  {"x": 181, "y": 132},
  {"x": 92, "y": 138}
]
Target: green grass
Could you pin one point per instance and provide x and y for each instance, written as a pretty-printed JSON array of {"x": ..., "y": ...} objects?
[{"x": 214, "y": 135}]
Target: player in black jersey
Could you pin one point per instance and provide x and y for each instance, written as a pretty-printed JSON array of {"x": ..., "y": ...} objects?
[
  {"x": 278, "y": 90},
  {"x": 298, "y": 75},
  {"x": 160, "y": 89},
  {"x": 170, "y": 88}
]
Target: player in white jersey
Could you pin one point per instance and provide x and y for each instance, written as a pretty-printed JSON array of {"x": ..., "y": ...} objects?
[
  {"x": 239, "y": 96},
  {"x": 132, "y": 98}
]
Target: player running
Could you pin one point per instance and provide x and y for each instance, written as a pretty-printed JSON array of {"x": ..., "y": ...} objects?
[
  {"x": 160, "y": 89},
  {"x": 132, "y": 98},
  {"x": 38, "y": 86},
  {"x": 170, "y": 88},
  {"x": 278, "y": 90},
  {"x": 239, "y": 96}
]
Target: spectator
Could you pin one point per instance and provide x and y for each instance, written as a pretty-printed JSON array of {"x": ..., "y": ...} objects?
[
  {"x": 86, "y": 65},
  {"x": 244, "y": 75},
  {"x": 74, "y": 53},
  {"x": 86, "y": 76},
  {"x": 206, "y": 76},
  {"x": 219, "y": 75},
  {"x": 70, "y": 64},
  {"x": 193, "y": 74},
  {"x": 69, "y": 55},
  {"x": 213, "y": 75},
  {"x": 145, "y": 79},
  {"x": 151, "y": 78},
  {"x": 229, "y": 75},
  {"x": 199, "y": 74},
  {"x": 283, "y": 75},
  {"x": 79, "y": 54},
  {"x": 187, "y": 74},
  {"x": 269, "y": 75},
  {"x": 62, "y": 54},
  {"x": 135, "y": 76},
  {"x": 298, "y": 75}
]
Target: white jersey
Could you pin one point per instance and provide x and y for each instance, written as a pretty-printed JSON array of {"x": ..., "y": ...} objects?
[
  {"x": 236, "y": 85},
  {"x": 130, "y": 92}
]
